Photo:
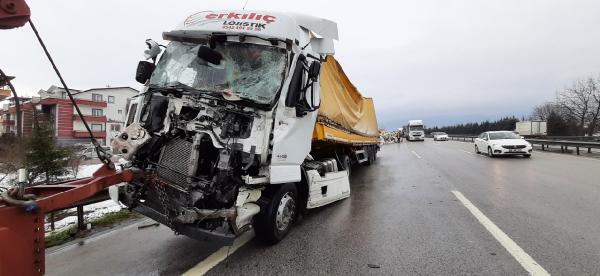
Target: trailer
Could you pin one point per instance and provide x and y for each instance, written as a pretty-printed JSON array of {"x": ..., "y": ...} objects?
[{"x": 531, "y": 128}]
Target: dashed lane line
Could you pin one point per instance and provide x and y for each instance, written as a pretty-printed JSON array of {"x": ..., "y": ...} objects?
[
  {"x": 512, "y": 247},
  {"x": 416, "y": 154}
]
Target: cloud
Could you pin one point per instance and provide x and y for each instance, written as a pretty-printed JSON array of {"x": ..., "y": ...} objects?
[{"x": 447, "y": 61}]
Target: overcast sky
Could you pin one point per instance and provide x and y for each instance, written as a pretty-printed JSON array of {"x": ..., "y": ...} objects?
[{"x": 441, "y": 61}]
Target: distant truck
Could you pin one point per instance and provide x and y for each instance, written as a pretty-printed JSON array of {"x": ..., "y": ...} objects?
[
  {"x": 413, "y": 131},
  {"x": 531, "y": 128}
]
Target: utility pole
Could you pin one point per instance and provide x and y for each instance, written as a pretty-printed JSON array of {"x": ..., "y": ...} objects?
[{"x": 5, "y": 80}]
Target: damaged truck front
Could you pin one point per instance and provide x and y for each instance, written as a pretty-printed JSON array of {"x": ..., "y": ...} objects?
[{"x": 222, "y": 131}]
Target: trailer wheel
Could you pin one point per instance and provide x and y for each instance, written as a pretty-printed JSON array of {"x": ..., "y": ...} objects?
[
  {"x": 346, "y": 163},
  {"x": 370, "y": 157},
  {"x": 274, "y": 223}
]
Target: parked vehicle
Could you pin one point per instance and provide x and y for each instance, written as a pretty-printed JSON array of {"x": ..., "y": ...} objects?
[
  {"x": 439, "y": 136},
  {"x": 496, "y": 143},
  {"x": 90, "y": 152},
  {"x": 529, "y": 128},
  {"x": 246, "y": 121},
  {"x": 414, "y": 131}
]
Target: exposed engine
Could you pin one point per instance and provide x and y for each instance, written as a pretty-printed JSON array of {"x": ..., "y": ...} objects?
[{"x": 199, "y": 154}]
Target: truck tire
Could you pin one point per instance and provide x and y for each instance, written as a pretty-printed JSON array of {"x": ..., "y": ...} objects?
[
  {"x": 370, "y": 158},
  {"x": 273, "y": 223},
  {"x": 346, "y": 164}
]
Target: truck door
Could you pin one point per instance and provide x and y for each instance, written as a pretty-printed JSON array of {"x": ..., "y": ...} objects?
[{"x": 293, "y": 127}]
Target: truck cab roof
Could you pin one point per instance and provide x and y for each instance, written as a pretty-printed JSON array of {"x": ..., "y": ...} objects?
[{"x": 264, "y": 24}]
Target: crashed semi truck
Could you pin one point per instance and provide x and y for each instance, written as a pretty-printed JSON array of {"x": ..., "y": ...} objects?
[{"x": 245, "y": 121}]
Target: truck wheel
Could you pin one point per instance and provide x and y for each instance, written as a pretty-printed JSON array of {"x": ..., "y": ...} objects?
[
  {"x": 346, "y": 163},
  {"x": 274, "y": 223},
  {"x": 370, "y": 157}
]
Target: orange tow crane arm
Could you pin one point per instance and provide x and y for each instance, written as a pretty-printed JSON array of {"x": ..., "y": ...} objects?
[
  {"x": 22, "y": 245},
  {"x": 13, "y": 13}
]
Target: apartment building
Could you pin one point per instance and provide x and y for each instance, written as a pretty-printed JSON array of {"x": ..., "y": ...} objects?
[{"x": 104, "y": 110}]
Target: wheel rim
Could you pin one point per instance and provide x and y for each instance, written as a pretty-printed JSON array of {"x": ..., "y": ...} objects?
[
  {"x": 285, "y": 212},
  {"x": 489, "y": 151},
  {"x": 476, "y": 149}
]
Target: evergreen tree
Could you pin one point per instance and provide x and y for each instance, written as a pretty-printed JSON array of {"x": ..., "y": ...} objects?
[
  {"x": 557, "y": 125},
  {"x": 43, "y": 158}
]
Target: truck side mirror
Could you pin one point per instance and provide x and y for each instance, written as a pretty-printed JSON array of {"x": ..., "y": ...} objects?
[
  {"x": 209, "y": 55},
  {"x": 153, "y": 50},
  {"x": 144, "y": 71},
  {"x": 314, "y": 70}
]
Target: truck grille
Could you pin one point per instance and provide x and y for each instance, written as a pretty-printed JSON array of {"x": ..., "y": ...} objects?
[
  {"x": 514, "y": 146},
  {"x": 174, "y": 162}
]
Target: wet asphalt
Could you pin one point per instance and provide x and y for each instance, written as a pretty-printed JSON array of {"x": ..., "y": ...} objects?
[{"x": 401, "y": 219}]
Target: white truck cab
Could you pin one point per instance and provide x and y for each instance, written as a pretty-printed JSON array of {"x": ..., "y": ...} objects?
[
  {"x": 414, "y": 130},
  {"x": 222, "y": 129}
]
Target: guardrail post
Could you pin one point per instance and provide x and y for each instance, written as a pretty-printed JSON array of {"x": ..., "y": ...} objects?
[
  {"x": 52, "y": 221},
  {"x": 562, "y": 149},
  {"x": 589, "y": 150},
  {"x": 542, "y": 146},
  {"x": 577, "y": 150},
  {"x": 80, "y": 224}
]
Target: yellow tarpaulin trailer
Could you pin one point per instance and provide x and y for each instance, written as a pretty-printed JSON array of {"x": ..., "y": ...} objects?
[{"x": 345, "y": 116}]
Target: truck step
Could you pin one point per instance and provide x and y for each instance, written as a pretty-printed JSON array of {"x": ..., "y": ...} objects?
[{"x": 361, "y": 156}]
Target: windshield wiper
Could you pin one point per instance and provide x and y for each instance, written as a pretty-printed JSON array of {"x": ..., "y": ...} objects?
[{"x": 185, "y": 89}]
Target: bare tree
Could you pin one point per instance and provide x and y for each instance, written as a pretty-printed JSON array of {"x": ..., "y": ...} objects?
[
  {"x": 595, "y": 110},
  {"x": 543, "y": 111},
  {"x": 578, "y": 102}
]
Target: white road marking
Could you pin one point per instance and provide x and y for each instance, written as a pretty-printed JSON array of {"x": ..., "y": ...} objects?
[
  {"x": 513, "y": 248},
  {"x": 215, "y": 258},
  {"x": 467, "y": 152},
  {"x": 416, "y": 154}
]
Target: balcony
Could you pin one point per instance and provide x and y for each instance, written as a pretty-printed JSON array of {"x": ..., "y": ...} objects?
[
  {"x": 91, "y": 103},
  {"x": 8, "y": 123},
  {"x": 93, "y": 119},
  {"x": 78, "y": 101},
  {"x": 85, "y": 134}
]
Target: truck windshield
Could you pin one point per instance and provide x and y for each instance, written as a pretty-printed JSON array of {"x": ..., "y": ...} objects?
[
  {"x": 414, "y": 128},
  {"x": 249, "y": 71}
]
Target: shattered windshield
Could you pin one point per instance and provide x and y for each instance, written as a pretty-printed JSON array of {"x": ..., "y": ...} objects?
[{"x": 248, "y": 71}]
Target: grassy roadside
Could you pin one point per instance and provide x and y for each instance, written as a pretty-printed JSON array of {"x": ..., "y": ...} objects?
[{"x": 104, "y": 222}]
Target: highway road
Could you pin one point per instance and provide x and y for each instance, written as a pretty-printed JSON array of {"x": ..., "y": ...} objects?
[{"x": 424, "y": 208}]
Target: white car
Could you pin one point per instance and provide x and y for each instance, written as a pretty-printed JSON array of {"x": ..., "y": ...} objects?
[
  {"x": 89, "y": 153},
  {"x": 440, "y": 136},
  {"x": 497, "y": 143}
]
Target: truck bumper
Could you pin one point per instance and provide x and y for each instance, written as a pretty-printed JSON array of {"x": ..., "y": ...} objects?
[{"x": 187, "y": 229}]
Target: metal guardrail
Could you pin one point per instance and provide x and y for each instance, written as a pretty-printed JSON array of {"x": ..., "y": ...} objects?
[
  {"x": 465, "y": 138},
  {"x": 565, "y": 144},
  {"x": 577, "y": 142},
  {"x": 568, "y": 138}
]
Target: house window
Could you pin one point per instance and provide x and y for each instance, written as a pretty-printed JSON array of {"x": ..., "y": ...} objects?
[
  {"x": 120, "y": 111},
  {"x": 96, "y": 127},
  {"x": 97, "y": 112},
  {"x": 63, "y": 95},
  {"x": 111, "y": 99},
  {"x": 115, "y": 127},
  {"x": 96, "y": 97}
]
